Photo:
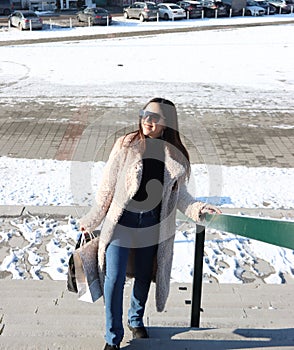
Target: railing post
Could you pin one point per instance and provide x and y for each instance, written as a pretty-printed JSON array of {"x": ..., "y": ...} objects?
[{"x": 197, "y": 276}]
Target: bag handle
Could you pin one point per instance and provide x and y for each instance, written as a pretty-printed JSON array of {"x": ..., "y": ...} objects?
[{"x": 86, "y": 237}]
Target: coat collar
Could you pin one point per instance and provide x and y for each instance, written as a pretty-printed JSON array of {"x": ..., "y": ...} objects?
[{"x": 172, "y": 166}]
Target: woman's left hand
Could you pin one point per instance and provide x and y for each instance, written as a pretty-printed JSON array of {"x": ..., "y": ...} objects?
[{"x": 210, "y": 209}]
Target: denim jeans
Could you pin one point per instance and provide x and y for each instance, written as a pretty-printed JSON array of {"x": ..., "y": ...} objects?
[{"x": 126, "y": 237}]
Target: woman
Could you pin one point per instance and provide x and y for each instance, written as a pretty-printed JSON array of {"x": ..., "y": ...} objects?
[{"x": 143, "y": 184}]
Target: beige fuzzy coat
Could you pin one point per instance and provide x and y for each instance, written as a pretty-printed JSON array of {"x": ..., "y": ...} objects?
[{"x": 120, "y": 181}]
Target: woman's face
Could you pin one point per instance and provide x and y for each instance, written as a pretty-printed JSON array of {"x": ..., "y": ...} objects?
[{"x": 149, "y": 126}]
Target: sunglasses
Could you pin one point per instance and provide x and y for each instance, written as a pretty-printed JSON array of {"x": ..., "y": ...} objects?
[{"x": 151, "y": 116}]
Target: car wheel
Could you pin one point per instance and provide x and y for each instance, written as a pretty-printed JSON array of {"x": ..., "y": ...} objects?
[
  {"x": 141, "y": 17},
  {"x": 6, "y": 12},
  {"x": 20, "y": 27},
  {"x": 78, "y": 18},
  {"x": 126, "y": 15},
  {"x": 166, "y": 17}
]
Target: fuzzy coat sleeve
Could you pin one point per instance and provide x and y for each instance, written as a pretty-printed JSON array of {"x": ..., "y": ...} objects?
[
  {"x": 105, "y": 190},
  {"x": 188, "y": 205}
]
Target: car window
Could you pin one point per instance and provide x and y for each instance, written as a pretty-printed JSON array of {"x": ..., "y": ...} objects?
[
  {"x": 151, "y": 6},
  {"x": 100, "y": 11},
  {"x": 174, "y": 7},
  {"x": 29, "y": 15}
]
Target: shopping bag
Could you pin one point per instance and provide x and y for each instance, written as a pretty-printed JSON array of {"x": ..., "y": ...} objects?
[
  {"x": 85, "y": 261},
  {"x": 71, "y": 276}
]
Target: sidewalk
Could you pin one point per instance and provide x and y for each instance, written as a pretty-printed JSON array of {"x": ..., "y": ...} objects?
[
  {"x": 220, "y": 136},
  {"x": 44, "y": 315}
]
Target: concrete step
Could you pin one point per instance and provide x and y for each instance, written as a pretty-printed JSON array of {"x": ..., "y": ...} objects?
[{"x": 44, "y": 315}]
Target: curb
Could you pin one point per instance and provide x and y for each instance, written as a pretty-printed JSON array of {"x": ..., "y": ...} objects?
[
  {"x": 140, "y": 33},
  {"x": 11, "y": 211}
]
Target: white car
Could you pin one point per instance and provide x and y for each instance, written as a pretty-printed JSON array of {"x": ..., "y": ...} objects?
[
  {"x": 25, "y": 20},
  {"x": 171, "y": 11},
  {"x": 252, "y": 9}
]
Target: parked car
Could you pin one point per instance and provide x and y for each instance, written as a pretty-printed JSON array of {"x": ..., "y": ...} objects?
[
  {"x": 252, "y": 9},
  {"x": 95, "y": 15},
  {"x": 281, "y": 6},
  {"x": 269, "y": 9},
  {"x": 193, "y": 8},
  {"x": 6, "y": 7},
  {"x": 290, "y": 5},
  {"x": 171, "y": 11},
  {"x": 210, "y": 7},
  {"x": 144, "y": 11},
  {"x": 235, "y": 7},
  {"x": 25, "y": 20}
]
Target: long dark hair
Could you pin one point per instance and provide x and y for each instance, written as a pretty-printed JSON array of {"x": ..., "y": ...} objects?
[{"x": 170, "y": 134}]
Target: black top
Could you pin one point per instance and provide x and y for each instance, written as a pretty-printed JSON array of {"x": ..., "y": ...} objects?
[{"x": 149, "y": 194}]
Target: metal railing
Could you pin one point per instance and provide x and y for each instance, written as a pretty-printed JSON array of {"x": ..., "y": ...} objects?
[{"x": 277, "y": 232}]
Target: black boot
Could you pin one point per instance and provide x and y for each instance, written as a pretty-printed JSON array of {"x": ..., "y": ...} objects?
[
  {"x": 111, "y": 347},
  {"x": 138, "y": 332}
]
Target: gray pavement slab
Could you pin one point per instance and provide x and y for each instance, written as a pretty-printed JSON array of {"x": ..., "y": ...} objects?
[
  {"x": 231, "y": 136},
  {"x": 44, "y": 315}
]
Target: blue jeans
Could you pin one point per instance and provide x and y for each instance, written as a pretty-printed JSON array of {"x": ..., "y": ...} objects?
[{"x": 126, "y": 237}]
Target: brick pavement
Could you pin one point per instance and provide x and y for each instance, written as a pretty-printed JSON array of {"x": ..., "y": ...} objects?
[{"x": 213, "y": 136}]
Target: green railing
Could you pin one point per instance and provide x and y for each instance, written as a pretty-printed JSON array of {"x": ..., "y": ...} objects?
[{"x": 277, "y": 232}]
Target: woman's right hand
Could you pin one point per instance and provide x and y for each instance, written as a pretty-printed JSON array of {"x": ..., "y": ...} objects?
[{"x": 210, "y": 209}]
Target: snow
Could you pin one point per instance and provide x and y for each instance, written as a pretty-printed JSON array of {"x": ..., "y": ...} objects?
[
  {"x": 42, "y": 182},
  {"x": 46, "y": 245},
  {"x": 233, "y": 67},
  {"x": 252, "y": 66}
]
